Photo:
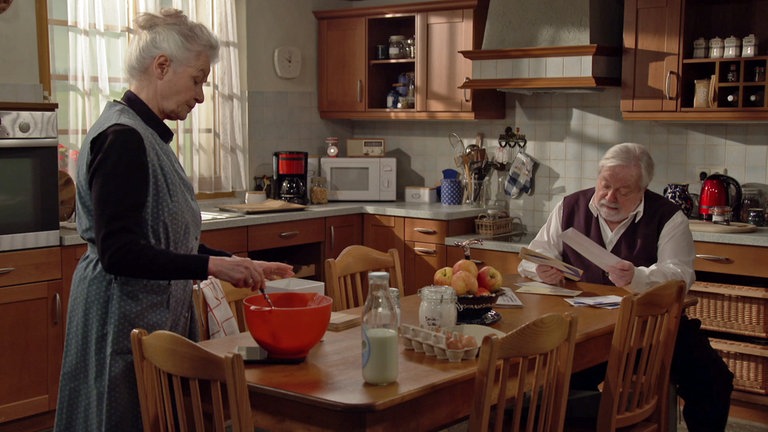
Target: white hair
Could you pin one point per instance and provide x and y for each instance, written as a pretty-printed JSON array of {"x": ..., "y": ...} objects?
[
  {"x": 171, "y": 33},
  {"x": 630, "y": 154}
]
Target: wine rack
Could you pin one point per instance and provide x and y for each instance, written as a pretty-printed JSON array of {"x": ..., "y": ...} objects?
[{"x": 739, "y": 83}]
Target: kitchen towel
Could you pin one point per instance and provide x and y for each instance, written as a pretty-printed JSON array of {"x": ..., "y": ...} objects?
[
  {"x": 520, "y": 175},
  {"x": 221, "y": 321},
  {"x": 452, "y": 192}
]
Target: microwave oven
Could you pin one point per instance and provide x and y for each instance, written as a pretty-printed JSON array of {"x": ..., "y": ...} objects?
[
  {"x": 29, "y": 182},
  {"x": 360, "y": 179}
]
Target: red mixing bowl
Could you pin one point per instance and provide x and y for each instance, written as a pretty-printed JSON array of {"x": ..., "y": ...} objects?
[{"x": 295, "y": 325}]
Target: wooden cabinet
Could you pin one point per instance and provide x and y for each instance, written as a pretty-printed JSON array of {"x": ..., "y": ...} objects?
[
  {"x": 299, "y": 243},
  {"x": 384, "y": 233},
  {"x": 353, "y": 83},
  {"x": 341, "y": 65},
  {"x": 425, "y": 249},
  {"x": 504, "y": 262},
  {"x": 660, "y": 76},
  {"x": 650, "y": 77},
  {"x": 731, "y": 284},
  {"x": 32, "y": 340},
  {"x": 232, "y": 240},
  {"x": 342, "y": 231}
]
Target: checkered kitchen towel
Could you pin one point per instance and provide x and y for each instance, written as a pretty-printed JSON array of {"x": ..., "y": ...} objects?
[
  {"x": 221, "y": 321},
  {"x": 520, "y": 175}
]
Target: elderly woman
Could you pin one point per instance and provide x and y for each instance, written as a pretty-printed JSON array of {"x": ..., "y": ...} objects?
[{"x": 137, "y": 212}]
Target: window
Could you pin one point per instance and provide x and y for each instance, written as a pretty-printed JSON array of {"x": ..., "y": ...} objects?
[{"x": 88, "y": 41}]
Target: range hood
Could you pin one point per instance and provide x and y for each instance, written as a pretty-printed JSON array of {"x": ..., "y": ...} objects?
[{"x": 549, "y": 46}]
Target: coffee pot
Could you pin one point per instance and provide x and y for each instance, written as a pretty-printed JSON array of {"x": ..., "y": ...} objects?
[{"x": 719, "y": 190}]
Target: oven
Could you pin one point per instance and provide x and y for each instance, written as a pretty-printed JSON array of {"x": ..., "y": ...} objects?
[{"x": 29, "y": 185}]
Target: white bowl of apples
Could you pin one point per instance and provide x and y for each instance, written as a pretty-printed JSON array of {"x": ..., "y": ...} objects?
[{"x": 477, "y": 290}]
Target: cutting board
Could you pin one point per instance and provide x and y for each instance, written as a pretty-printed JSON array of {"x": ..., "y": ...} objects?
[
  {"x": 734, "y": 227},
  {"x": 267, "y": 206},
  {"x": 66, "y": 196}
]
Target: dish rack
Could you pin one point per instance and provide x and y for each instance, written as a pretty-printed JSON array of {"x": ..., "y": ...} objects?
[{"x": 488, "y": 225}]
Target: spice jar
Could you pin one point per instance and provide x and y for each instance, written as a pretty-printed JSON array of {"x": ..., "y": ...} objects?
[
  {"x": 397, "y": 48},
  {"x": 756, "y": 216},
  {"x": 318, "y": 190}
]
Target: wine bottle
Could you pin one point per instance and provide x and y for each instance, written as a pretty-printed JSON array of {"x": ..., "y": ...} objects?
[
  {"x": 733, "y": 99},
  {"x": 756, "y": 99}
]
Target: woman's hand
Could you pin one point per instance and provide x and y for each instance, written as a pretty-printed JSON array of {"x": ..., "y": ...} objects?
[{"x": 247, "y": 273}]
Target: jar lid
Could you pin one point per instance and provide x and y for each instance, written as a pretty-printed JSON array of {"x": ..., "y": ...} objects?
[
  {"x": 699, "y": 43},
  {"x": 438, "y": 292},
  {"x": 749, "y": 40},
  {"x": 715, "y": 41},
  {"x": 732, "y": 41},
  {"x": 396, "y": 38}
]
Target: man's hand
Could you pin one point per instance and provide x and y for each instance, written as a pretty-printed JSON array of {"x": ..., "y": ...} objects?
[
  {"x": 549, "y": 274},
  {"x": 621, "y": 273}
]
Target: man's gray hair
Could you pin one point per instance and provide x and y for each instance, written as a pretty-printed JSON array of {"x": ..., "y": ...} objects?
[
  {"x": 171, "y": 33},
  {"x": 630, "y": 154}
]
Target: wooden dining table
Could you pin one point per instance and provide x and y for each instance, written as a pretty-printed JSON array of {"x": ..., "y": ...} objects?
[{"x": 327, "y": 392}]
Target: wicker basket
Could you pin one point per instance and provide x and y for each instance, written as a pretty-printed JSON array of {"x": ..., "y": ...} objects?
[
  {"x": 731, "y": 308},
  {"x": 748, "y": 362},
  {"x": 492, "y": 227}
]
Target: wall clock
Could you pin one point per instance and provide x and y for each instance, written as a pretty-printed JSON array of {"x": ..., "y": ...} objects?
[{"x": 287, "y": 62}]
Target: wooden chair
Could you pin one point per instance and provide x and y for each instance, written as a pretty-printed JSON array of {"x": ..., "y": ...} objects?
[
  {"x": 635, "y": 393},
  {"x": 175, "y": 375},
  {"x": 346, "y": 276},
  {"x": 235, "y": 298},
  {"x": 542, "y": 353},
  {"x": 636, "y": 384}
]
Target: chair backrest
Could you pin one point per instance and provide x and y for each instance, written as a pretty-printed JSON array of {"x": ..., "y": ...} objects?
[
  {"x": 539, "y": 355},
  {"x": 234, "y": 297},
  {"x": 175, "y": 375},
  {"x": 346, "y": 276},
  {"x": 637, "y": 380}
]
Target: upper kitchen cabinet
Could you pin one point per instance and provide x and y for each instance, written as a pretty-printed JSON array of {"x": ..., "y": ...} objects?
[
  {"x": 650, "y": 77},
  {"x": 662, "y": 77},
  {"x": 356, "y": 80}
]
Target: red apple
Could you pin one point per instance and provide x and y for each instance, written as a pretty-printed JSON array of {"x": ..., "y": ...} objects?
[
  {"x": 464, "y": 283},
  {"x": 443, "y": 276},
  {"x": 465, "y": 265},
  {"x": 489, "y": 278},
  {"x": 483, "y": 291}
]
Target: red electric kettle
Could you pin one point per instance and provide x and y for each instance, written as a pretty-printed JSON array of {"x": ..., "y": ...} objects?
[{"x": 719, "y": 190}]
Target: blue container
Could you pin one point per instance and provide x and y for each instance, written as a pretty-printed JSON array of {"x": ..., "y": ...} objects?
[{"x": 452, "y": 192}]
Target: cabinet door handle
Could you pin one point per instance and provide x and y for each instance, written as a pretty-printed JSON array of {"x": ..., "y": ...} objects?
[
  {"x": 359, "y": 90},
  {"x": 425, "y": 251},
  {"x": 425, "y": 230},
  {"x": 333, "y": 237},
  {"x": 6, "y": 270},
  {"x": 57, "y": 303},
  {"x": 478, "y": 262},
  {"x": 466, "y": 91},
  {"x": 668, "y": 85},
  {"x": 288, "y": 234},
  {"x": 715, "y": 258}
]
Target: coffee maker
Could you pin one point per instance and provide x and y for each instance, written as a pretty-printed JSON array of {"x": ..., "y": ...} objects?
[{"x": 289, "y": 180}]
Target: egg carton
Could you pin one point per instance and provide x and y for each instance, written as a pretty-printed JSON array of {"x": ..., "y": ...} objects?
[{"x": 435, "y": 343}]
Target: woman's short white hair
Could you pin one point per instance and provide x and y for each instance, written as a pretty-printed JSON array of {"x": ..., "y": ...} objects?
[
  {"x": 630, "y": 154},
  {"x": 171, "y": 33}
]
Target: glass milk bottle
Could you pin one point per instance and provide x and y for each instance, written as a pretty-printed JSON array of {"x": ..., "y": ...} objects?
[{"x": 379, "y": 332}]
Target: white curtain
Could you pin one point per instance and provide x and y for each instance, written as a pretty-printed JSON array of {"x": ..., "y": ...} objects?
[{"x": 88, "y": 41}]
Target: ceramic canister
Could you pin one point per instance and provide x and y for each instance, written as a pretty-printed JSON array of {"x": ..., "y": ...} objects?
[{"x": 715, "y": 47}]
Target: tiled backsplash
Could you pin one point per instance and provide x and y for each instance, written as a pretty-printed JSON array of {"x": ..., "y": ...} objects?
[{"x": 567, "y": 134}]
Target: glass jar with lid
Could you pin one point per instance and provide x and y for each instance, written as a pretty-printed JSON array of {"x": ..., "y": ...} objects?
[
  {"x": 318, "y": 190},
  {"x": 438, "y": 307},
  {"x": 397, "y": 47},
  {"x": 752, "y": 198}
]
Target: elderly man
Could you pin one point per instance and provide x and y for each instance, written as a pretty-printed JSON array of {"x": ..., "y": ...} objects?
[{"x": 652, "y": 238}]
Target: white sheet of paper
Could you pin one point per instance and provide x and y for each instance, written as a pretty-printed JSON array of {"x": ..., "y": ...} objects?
[
  {"x": 591, "y": 250},
  {"x": 508, "y": 299},
  {"x": 542, "y": 288}
]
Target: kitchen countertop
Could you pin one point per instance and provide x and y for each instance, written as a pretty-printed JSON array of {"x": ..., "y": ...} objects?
[{"x": 505, "y": 243}]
